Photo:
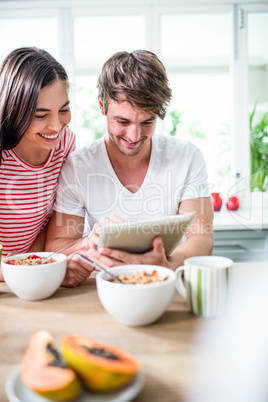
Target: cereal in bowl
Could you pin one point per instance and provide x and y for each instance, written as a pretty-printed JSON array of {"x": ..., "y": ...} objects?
[
  {"x": 31, "y": 260},
  {"x": 141, "y": 278}
]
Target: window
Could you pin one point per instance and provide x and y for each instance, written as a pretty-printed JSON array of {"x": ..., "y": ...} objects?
[
  {"x": 258, "y": 98},
  {"x": 96, "y": 37},
  {"x": 215, "y": 55},
  {"x": 24, "y": 30},
  {"x": 196, "y": 50}
]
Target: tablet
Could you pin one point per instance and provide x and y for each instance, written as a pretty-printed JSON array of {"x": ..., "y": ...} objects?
[{"x": 138, "y": 237}]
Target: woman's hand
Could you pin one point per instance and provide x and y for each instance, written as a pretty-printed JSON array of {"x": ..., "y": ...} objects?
[
  {"x": 14, "y": 252},
  {"x": 77, "y": 271}
]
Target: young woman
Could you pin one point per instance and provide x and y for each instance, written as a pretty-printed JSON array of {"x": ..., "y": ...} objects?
[{"x": 34, "y": 142}]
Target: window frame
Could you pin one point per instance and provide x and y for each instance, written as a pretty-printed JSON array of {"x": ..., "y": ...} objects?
[
  {"x": 67, "y": 10},
  {"x": 241, "y": 135}
]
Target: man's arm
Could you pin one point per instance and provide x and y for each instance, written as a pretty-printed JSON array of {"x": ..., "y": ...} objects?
[{"x": 199, "y": 235}]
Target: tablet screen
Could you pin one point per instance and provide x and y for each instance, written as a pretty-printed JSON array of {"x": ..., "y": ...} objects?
[{"x": 138, "y": 237}]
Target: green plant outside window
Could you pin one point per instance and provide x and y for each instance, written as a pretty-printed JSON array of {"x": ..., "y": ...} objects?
[{"x": 258, "y": 152}]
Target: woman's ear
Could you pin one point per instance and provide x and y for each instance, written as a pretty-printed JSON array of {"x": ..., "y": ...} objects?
[{"x": 101, "y": 106}]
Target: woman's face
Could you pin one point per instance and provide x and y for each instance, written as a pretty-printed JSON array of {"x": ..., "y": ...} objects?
[{"x": 51, "y": 116}]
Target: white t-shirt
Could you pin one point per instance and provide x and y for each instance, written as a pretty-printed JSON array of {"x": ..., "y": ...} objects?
[
  {"x": 27, "y": 194},
  {"x": 88, "y": 186}
]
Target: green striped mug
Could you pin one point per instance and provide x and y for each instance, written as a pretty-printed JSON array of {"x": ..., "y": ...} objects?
[{"x": 206, "y": 284}]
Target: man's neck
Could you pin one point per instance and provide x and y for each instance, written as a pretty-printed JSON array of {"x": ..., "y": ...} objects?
[{"x": 130, "y": 170}]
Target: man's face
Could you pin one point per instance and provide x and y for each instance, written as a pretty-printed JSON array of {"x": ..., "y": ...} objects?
[{"x": 129, "y": 129}]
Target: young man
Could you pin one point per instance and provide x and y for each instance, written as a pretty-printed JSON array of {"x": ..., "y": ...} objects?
[{"x": 131, "y": 173}]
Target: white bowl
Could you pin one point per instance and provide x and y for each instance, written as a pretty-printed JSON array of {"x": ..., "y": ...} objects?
[
  {"x": 34, "y": 282},
  {"x": 136, "y": 305}
]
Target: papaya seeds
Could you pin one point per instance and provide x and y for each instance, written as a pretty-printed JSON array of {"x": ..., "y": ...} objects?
[
  {"x": 101, "y": 367},
  {"x": 44, "y": 371}
]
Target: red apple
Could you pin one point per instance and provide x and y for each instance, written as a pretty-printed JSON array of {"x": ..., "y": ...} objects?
[{"x": 232, "y": 204}]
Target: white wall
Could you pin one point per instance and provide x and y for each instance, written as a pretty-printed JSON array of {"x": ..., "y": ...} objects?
[{"x": 29, "y": 3}]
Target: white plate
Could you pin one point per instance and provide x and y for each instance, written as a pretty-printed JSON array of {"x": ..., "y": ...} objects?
[{"x": 18, "y": 392}]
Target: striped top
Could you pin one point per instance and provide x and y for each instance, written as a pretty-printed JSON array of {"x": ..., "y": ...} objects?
[{"x": 27, "y": 194}]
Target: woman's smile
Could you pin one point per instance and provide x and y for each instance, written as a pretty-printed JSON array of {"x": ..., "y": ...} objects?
[{"x": 50, "y": 136}]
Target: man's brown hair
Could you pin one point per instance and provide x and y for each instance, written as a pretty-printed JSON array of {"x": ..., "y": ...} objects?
[{"x": 138, "y": 77}]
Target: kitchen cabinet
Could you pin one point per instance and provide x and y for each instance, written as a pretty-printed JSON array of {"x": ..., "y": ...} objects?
[
  {"x": 241, "y": 235},
  {"x": 242, "y": 245}
]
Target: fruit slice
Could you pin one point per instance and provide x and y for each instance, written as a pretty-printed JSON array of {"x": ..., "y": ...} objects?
[
  {"x": 100, "y": 367},
  {"x": 45, "y": 372}
]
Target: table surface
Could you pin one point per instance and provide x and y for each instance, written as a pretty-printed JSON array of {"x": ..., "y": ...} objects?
[{"x": 168, "y": 350}]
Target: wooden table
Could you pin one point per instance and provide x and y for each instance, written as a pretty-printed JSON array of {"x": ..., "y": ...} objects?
[{"x": 168, "y": 350}]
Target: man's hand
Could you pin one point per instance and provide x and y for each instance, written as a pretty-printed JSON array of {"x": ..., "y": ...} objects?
[
  {"x": 199, "y": 241},
  {"x": 111, "y": 257},
  {"x": 93, "y": 237}
]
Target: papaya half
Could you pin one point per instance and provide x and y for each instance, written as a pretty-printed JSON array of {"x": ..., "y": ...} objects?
[
  {"x": 44, "y": 371},
  {"x": 101, "y": 367}
]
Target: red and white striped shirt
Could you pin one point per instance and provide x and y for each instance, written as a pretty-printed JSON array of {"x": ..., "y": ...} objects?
[{"x": 27, "y": 194}]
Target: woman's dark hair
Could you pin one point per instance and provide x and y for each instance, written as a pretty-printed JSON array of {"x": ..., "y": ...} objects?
[
  {"x": 23, "y": 73},
  {"x": 138, "y": 77}
]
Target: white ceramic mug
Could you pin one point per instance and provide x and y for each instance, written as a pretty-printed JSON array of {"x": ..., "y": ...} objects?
[{"x": 206, "y": 284}]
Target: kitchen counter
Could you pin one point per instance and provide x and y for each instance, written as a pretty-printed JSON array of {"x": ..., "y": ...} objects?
[
  {"x": 242, "y": 219},
  {"x": 251, "y": 215}
]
